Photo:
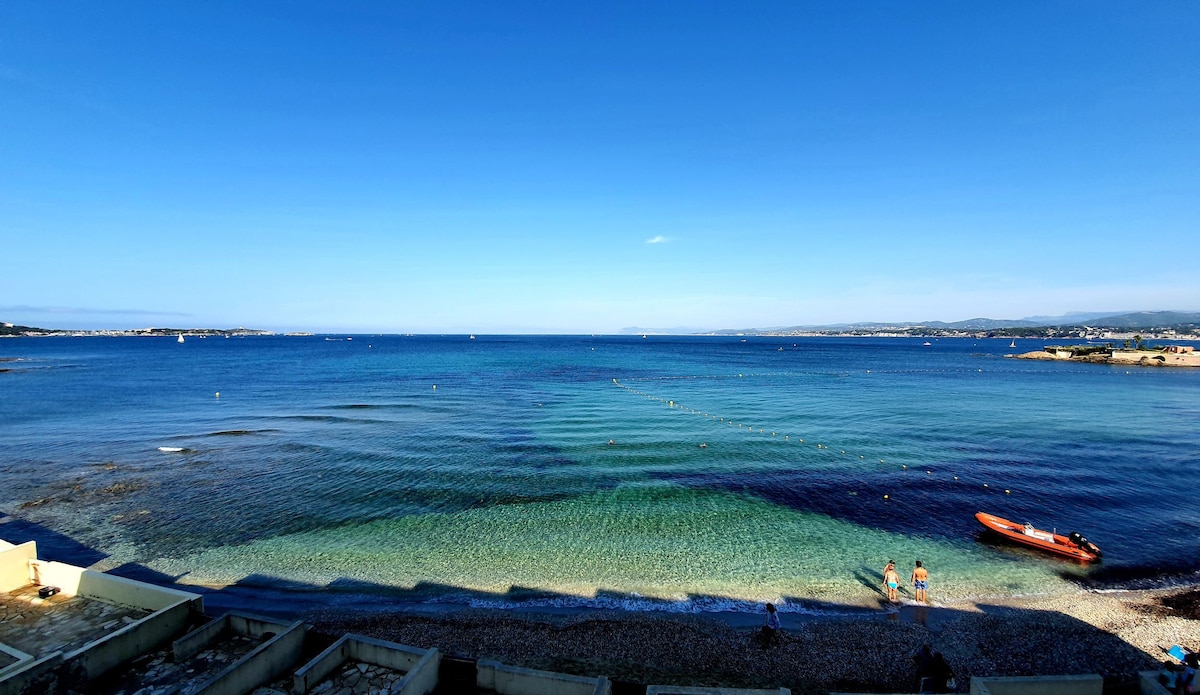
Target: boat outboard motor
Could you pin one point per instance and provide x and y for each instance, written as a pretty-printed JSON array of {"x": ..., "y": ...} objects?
[{"x": 1083, "y": 543}]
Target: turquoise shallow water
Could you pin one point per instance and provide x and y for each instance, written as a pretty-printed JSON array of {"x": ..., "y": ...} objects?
[{"x": 740, "y": 471}]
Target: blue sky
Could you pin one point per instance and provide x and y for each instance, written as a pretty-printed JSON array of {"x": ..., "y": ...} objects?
[{"x": 583, "y": 167}]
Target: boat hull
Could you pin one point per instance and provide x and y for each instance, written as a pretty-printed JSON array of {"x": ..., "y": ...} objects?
[{"x": 1043, "y": 540}]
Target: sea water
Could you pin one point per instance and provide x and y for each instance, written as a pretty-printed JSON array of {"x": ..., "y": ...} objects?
[{"x": 676, "y": 473}]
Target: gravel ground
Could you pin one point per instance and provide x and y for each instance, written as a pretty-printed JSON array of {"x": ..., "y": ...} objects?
[{"x": 1113, "y": 634}]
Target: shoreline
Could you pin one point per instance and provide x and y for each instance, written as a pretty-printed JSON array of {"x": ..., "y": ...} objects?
[
  {"x": 860, "y": 647},
  {"x": 1114, "y": 634}
]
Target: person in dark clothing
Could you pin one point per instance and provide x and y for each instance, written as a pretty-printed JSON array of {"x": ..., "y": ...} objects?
[
  {"x": 939, "y": 676},
  {"x": 923, "y": 659}
]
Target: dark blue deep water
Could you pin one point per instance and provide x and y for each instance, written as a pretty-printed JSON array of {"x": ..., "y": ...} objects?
[{"x": 739, "y": 470}]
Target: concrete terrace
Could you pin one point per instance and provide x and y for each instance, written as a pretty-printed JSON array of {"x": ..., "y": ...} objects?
[{"x": 40, "y": 626}]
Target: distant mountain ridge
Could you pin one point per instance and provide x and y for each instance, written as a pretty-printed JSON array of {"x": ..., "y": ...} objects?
[{"x": 1135, "y": 320}]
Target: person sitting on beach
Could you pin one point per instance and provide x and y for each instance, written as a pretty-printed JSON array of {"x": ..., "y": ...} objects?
[
  {"x": 891, "y": 580},
  {"x": 1187, "y": 678},
  {"x": 923, "y": 660},
  {"x": 772, "y": 632},
  {"x": 940, "y": 675},
  {"x": 920, "y": 581}
]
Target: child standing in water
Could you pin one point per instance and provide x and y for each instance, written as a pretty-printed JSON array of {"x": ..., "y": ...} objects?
[
  {"x": 920, "y": 581},
  {"x": 891, "y": 580}
]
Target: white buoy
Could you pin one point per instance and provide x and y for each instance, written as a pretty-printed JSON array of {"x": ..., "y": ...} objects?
[{"x": 218, "y": 394}]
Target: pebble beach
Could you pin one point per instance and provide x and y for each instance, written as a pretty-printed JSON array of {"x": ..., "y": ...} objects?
[{"x": 1114, "y": 634}]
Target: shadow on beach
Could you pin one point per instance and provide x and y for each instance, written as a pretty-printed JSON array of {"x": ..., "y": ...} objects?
[{"x": 827, "y": 646}]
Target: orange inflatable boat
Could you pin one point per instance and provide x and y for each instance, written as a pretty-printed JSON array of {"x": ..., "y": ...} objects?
[{"x": 1071, "y": 545}]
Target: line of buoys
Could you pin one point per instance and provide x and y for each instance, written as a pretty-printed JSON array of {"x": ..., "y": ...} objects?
[
  {"x": 787, "y": 438},
  {"x": 672, "y": 404}
]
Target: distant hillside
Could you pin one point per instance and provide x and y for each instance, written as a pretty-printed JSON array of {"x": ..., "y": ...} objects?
[
  {"x": 1071, "y": 318},
  {"x": 981, "y": 324},
  {"x": 1149, "y": 321},
  {"x": 634, "y": 330},
  {"x": 10, "y": 329}
]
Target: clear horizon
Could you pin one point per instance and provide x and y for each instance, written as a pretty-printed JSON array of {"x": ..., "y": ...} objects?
[
  {"x": 523, "y": 168},
  {"x": 627, "y": 330}
]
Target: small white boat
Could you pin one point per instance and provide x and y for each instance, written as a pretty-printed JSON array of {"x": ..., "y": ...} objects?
[
  {"x": 472, "y": 337},
  {"x": 927, "y": 343},
  {"x": 170, "y": 449},
  {"x": 180, "y": 338},
  {"x": 1013, "y": 344}
]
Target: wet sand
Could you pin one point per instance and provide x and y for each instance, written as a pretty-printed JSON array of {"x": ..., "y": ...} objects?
[{"x": 860, "y": 649}]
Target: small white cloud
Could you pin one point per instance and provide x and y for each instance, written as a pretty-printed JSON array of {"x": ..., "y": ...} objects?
[{"x": 660, "y": 239}]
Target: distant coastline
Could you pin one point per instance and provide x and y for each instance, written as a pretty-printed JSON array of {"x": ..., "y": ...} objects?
[
  {"x": 1130, "y": 328},
  {"x": 1154, "y": 325},
  {"x": 8, "y": 330}
]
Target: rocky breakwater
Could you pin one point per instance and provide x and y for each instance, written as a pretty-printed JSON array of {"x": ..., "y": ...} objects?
[{"x": 1170, "y": 356}]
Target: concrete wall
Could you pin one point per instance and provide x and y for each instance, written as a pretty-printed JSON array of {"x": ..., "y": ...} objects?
[
  {"x": 234, "y": 622},
  {"x": 513, "y": 680},
  {"x": 681, "y": 690},
  {"x": 194, "y": 642},
  {"x": 422, "y": 678},
  {"x": 76, "y": 581},
  {"x": 420, "y": 666},
  {"x": 320, "y": 667},
  {"x": 172, "y": 611},
  {"x": 267, "y": 662},
  {"x": 14, "y": 565},
  {"x": 1091, "y": 684},
  {"x": 1131, "y": 356},
  {"x": 379, "y": 652},
  {"x": 100, "y": 656},
  {"x": 10, "y": 658},
  {"x": 34, "y": 677},
  {"x": 1148, "y": 683}
]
